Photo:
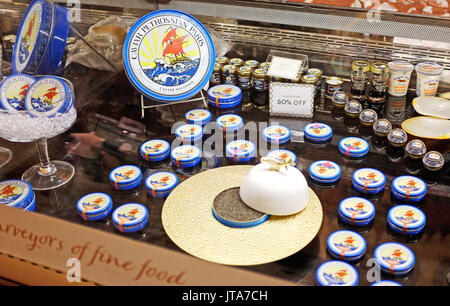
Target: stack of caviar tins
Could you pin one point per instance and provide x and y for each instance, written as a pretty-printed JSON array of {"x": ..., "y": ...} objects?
[
  {"x": 17, "y": 193},
  {"x": 198, "y": 116},
  {"x": 161, "y": 184},
  {"x": 130, "y": 217},
  {"x": 189, "y": 133},
  {"x": 230, "y": 123},
  {"x": 125, "y": 177},
  {"x": 337, "y": 273},
  {"x": 394, "y": 258},
  {"x": 353, "y": 147},
  {"x": 346, "y": 245},
  {"x": 277, "y": 134},
  {"x": 318, "y": 132},
  {"x": 282, "y": 156},
  {"x": 186, "y": 156},
  {"x": 409, "y": 188},
  {"x": 155, "y": 150},
  {"x": 94, "y": 206},
  {"x": 369, "y": 181},
  {"x": 324, "y": 171},
  {"x": 406, "y": 220},
  {"x": 356, "y": 211},
  {"x": 385, "y": 283},
  {"x": 13, "y": 90},
  {"x": 224, "y": 96},
  {"x": 240, "y": 150}
]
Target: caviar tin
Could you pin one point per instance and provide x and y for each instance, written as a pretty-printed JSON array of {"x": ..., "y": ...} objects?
[
  {"x": 130, "y": 217},
  {"x": 32, "y": 206},
  {"x": 353, "y": 147},
  {"x": 346, "y": 245},
  {"x": 237, "y": 223},
  {"x": 337, "y": 273},
  {"x": 48, "y": 96},
  {"x": 230, "y": 123},
  {"x": 325, "y": 171},
  {"x": 394, "y": 258},
  {"x": 186, "y": 156},
  {"x": 13, "y": 90},
  {"x": 189, "y": 132},
  {"x": 356, "y": 211},
  {"x": 406, "y": 219},
  {"x": 198, "y": 116},
  {"x": 224, "y": 96},
  {"x": 41, "y": 39},
  {"x": 368, "y": 180},
  {"x": 240, "y": 150},
  {"x": 276, "y": 134},
  {"x": 283, "y": 156},
  {"x": 409, "y": 188},
  {"x": 168, "y": 55},
  {"x": 155, "y": 150},
  {"x": 161, "y": 184},
  {"x": 94, "y": 206},
  {"x": 385, "y": 283},
  {"x": 125, "y": 177},
  {"x": 16, "y": 193},
  {"x": 318, "y": 132}
]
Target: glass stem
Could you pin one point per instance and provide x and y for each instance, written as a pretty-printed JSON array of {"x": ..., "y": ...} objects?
[{"x": 46, "y": 168}]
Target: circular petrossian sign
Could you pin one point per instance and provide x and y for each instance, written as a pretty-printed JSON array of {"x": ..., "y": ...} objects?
[{"x": 168, "y": 55}]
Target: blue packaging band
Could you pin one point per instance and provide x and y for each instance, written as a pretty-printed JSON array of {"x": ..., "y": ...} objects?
[
  {"x": 404, "y": 231},
  {"x": 240, "y": 224},
  {"x": 357, "y": 223}
]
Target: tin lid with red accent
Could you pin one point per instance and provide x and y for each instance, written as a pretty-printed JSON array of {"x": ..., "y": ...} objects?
[
  {"x": 410, "y": 186},
  {"x": 94, "y": 204}
]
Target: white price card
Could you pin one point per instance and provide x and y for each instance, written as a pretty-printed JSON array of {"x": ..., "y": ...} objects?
[
  {"x": 285, "y": 68},
  {"x": 291, "y": 100}
]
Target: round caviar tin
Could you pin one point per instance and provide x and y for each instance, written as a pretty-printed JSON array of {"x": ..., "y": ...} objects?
[
  {"x": 125, "y": 177},
  {"x": 198, "y": 116},
  {"x": 189, "y": 132},
  {"x": 94, "y": 206},
  {"x": 356, "y": 211},
  {"x": 406, "y": 219},
  {"x": 240, "y": 150},
  {"x": 161, "y": 184},
  {"x": 409, "y": 188},
  {"x": 130, "y": 217},
  {"x": 186, "y": 156},
  {"x": 224, "y": 96},
  {"x": 369, "y": 181},
  {"x": 394, "y": 258},
  {"x": 337, "y": 273},
  {"x": 385, "y": 283},
  {"x": 230, "y": 123},
  {"x": 353, "y": 147},
  {"x": 283, "y": 156},
  {"x": 16, "y": 193},
  {"x": 48, "y": 96},
  {"x": 318, "y": 132},
  {"x": 155, "y": 150},
  {"x": 346, "y": 245},
  {"x": 277, "y": 134},
  {"x": 168, "y": 55},
  {"x": 13, "y": 90},
  {"x": 325, "y": 171}
]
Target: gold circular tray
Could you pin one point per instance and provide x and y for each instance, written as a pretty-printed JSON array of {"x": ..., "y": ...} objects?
[{"x": 188, "y": 221}]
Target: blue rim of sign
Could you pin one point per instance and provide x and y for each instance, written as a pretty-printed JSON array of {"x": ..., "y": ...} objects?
[
  {"x": 127, "y": 181},
  {"x": 97, "y": 211},
  {"x": 310, "y": 136},
  {"x": 196, "y": 121},
  {"x": 347, "y": 265},
  {"x": 402, "y": 269},
  {"x": 239, "y": 224},
  {"x": 161, "y": 189},
  {"x": 318, "y": 176},
  {"x": 241, "y": 156},
  {"x": 412, "y": 195},
  {"x": 197, "y": 155},
  {"x": 154, "y": 154},
  {"x": 290, "y": 153},
  {"x": 132, "y": 223},
  {"x": 353, "y": 255},
  {"x": 151, "y": 94},
  {"x": 193, "y": 137},
  {"x": 409, "y": 226},
  {"x": 376, "y": 186},
  {"x": 32, "y": 79},
  {"x": 235, "y": 127},
  {"x": 280, "y": 140},
  {"x": 362, "y": 218}
]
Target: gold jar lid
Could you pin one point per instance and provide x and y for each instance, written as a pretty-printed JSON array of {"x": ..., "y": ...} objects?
[
  {"x": 259, "y": 73},
  {"x": 315, "y": 71},
  {"x": 222, "y": 60},
  {"x": 365, "y": 65},
  {"x": 229, "y": 68},
  {"x": 334, "y": 80},
  {"x": 217, "y": 67},
  {"x": 264, "y": 65},
  {"x": 377, "y": 67},
  {"x": 309, "y": 79},
  {"x": 245, "y": 71},
  {"x": 252, "y": 63},
  {"x": 237, "y": 61}
]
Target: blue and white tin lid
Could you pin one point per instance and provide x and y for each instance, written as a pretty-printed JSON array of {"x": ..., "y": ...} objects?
[
  {"x": 409, "y": 187},
  {"x": 48, "y": 96},
  {"x": 353, "y": 147},
  {"x": 385, "y": 283},
  {"x": 282, "y": 155},
  {"x": 325, "y": 171},
  {"x": 277, "y": 134},
  {"x": 168, "y": 55},
  {"x": 369, "y": 179},
  {"x": 230, "y": 122},
  {"x": 125, "y": 175},
  {"x": 407, "y": 217},
  {"x": 161, "y": 181},
  {"x": 337, "y": 273},
  {"x": 130, "y": 217},
  {"x": 394, "y": 258},
  {"x": 185, "y": 154},
  {"x": 94, "y": 205},
  {"x": 318, "y": 131},
  {"x": 224, "y": 94},
  {"x": 198, "y": 116},
  {"x": 190, "y": 132},
  {"x": 357, "y": 209},
  {"x": 346, "y": 245},
  {"x": 240, "y": 149},
  {"x": 13, "y": 90},
  {"x": 15, "y": 193},
  {"x": 154, "y": 148}
]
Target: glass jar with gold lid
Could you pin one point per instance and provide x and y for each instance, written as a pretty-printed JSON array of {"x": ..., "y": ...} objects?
[
  {"x": 245, "y": 77},
  {"x": 223, "y": 60},
  {"x": 229, "y": 75},
  {"x": 359, "y": 77},
  {"x": 236, "y": 61},
  {"x": 216, "y": 77},
  {"x": 252, "y": 63}
]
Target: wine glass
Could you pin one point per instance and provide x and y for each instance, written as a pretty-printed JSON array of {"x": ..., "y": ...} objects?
[{"x": 23, "y": 126}]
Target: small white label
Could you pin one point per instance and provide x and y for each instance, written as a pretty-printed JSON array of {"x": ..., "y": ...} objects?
[
  {"x": 287, "y": 68},
  {"x": 291, "y": 100}
]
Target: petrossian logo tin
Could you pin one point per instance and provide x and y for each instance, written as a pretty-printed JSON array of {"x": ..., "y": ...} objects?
[
  {"x": 283, "y": 156},
  {"x": 240, "y": 150},
  {"x": 394, "y": 258},
  {"x": 353, "y": 147},
  {"x": 224, "y": 95},
  {"x": 406, "y": 219},
  {"x": 168, "y": 55},
  {"x": 198, "y": 116},
  {"x": 125, "y": 177},
  {"x": 318, "y": 132},
  {"x": 277, "y": 133},
  {"x": 336, "y": 273},
  {"x": 190, "y": 132},
  {"x": 356, "y": 211},
  {"x": 346, "y": 245},
  {"x": 155, "y": 150},
  {"x": 160, "y": 184},
  {"x": 186, "y": 156},
  {"x": 130, "y": 217},
  {"x": 13, "y": 90},
  {"x": 94, "y": 206},
  {"x": 15, "y": 193},
  {"x": 368, "y": 180},
  {"x": 325, "y": 171},
  {"x": 409, "y": 188},
  {"x": 230, "y": 123}
]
